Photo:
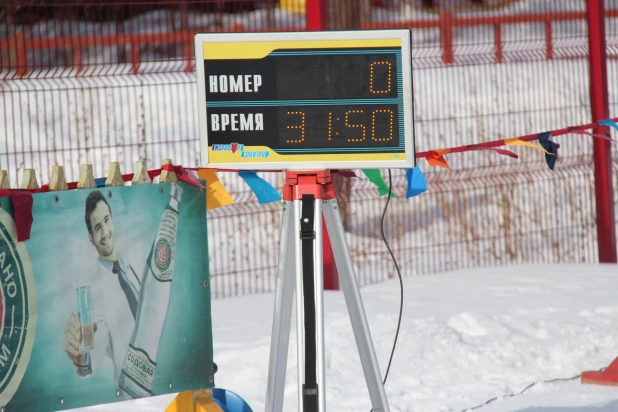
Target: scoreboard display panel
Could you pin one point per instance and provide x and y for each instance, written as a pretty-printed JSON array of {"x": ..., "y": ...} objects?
[{"x": 306, "y": 100}]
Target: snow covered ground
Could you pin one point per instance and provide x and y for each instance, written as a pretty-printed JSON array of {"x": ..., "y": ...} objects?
[{"x": 466, "y": 337}]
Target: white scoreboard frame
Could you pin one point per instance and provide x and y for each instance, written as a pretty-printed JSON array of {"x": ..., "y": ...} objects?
[{"x": 406, "y": 59}]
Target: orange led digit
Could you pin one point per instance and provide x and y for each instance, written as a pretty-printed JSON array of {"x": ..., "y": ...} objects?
[
  {"x": 301, "y": 127},
  {"x": 359, "y": 126},
  {"x": 373, "y": 125},
  {"x": 388, "y": 80}
]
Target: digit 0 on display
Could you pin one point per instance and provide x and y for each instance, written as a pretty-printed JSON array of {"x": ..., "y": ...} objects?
[{"x": 306, "y": 100}]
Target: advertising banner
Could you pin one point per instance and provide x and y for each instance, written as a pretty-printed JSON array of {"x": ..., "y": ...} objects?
[{"x": 108, "y": 300}]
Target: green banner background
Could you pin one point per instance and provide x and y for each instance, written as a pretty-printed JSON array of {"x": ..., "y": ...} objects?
[{"x": 60, "y": 250}]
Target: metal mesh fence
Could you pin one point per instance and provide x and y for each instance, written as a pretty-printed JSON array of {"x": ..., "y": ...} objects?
[{"x": 93, "y": 82}]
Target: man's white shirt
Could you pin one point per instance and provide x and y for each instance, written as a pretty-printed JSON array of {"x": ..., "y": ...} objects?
[{"x": 115, "y": 322}]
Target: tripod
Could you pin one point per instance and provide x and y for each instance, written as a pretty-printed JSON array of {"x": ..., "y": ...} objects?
[{"x": 307, "y": 197}]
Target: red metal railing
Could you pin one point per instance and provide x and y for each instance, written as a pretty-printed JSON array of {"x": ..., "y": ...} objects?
[
  {"x": 446, "y": 23},
  {"x": 486, "y": 211}
]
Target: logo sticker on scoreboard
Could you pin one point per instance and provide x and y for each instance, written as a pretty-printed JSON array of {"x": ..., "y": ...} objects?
[{"x": 306, "y": 100}]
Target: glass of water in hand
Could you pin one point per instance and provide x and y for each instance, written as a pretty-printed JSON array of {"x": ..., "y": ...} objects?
[{"x": 85, "y": 316}]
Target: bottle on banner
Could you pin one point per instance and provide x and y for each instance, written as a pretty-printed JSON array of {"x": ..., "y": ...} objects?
[{"x": 138, "y": 371}]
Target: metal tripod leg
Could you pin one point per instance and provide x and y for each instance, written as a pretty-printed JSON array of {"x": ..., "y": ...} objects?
[
  {"x": 351, "y": 292},
  {"x": 282, "y": 317}
]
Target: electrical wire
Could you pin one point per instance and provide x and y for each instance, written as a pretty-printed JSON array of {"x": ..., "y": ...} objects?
[
  {"x": 388, "y": 199},
  {"x": 510, "y": 395}
]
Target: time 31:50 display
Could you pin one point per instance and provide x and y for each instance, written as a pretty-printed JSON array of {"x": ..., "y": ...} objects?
[{"x": 372, "y": 125}]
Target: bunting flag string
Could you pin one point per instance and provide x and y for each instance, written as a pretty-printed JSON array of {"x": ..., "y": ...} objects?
[
  {"x": 218, "y": 196},
  {"x": 525, "y": 138}
]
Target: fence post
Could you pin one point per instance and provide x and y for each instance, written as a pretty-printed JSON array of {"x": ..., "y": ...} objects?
[
  {"x": 549, "y": 40},
  {"x": 498, "y": 42},
  {"x": 21, "y": 53},
  {"x": 604, "y": 189},
  {"x": 446, "y": 37},
  {"x": 315, "y": 12}
]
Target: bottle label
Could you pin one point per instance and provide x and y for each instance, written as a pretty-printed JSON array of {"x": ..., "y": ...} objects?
[
  {"x": 165, "y": 247},
  {"x": 140, "y": 368}
]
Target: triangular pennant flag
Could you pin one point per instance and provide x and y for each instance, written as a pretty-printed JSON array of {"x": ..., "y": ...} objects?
[
  {"x": 375, "y": 177},
  {"x": 417, "y": 183},
  {"x": 436, "y": 158},
  {"x": 345, "y": 173},
  {"x": 514, "y": 141},
  {"x": 263, "y": 190},
  {"x": 550, "y": 147},
  {"x": 503, "y": 152},
  {"x": 610, "y": 123},
  {"x": 22, "y": 210},
  {"x": 216, "y": 195},
  {"x": 600, "y": 136},
  {"x": 186, "y": 176}
]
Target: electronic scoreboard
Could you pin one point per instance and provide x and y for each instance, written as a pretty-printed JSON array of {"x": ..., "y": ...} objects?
[{"x": 305, "y": 100}]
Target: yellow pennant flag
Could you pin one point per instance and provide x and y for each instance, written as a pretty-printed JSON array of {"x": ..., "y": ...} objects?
[
  {"x": 514, "y": 141},
  {"x": 216, "y": 195}
]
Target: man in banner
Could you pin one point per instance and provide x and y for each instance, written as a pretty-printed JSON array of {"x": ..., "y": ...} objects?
[{"x": 113, "y": 292}]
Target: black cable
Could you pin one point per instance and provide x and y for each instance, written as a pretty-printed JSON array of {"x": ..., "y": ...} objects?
[
  {"x": 390, "y": 188},
  {"x": 388, "y": 199},
  {"x": 487, "y": 402}
]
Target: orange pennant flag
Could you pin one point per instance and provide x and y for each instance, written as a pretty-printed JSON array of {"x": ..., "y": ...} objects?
[
  {"x": 216, "y": 195},
  {"x": 437, "y": 158}
]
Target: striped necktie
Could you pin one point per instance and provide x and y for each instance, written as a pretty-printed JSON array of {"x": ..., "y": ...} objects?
[{"x": 126, "y": 287}]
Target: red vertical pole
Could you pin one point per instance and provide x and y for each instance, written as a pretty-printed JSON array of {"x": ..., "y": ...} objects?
[
  {"x": 316, "y": 14},
  {"x": 604, "y": 190}
]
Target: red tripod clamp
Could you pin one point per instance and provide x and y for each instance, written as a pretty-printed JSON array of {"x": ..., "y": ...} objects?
[{"x": 318, "y": 183}]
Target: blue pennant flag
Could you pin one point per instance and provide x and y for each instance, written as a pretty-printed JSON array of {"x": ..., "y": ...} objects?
[
  {"x": 417, "y": 183},
  {"x": 551, "y": 147},
  {"x": 263, "y": 190},
  {"x": 610, "y": 123}
]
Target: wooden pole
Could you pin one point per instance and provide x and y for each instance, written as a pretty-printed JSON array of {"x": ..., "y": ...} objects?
[
  {"x": 141, "y": 176},
  {"x": 168, "y": 176},
  {"x": 29, "y": 180},
  {"x": 114, "y": 176},
  {"x": 58, "y": 179},
  {"x": 4, "y": 180},
  {"x": 86, "y": 177}
]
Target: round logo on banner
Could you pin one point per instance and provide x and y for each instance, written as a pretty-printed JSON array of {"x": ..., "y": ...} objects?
[
  {"x": 163, "y": 252},
  {"x": 17, "y": 309}
]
